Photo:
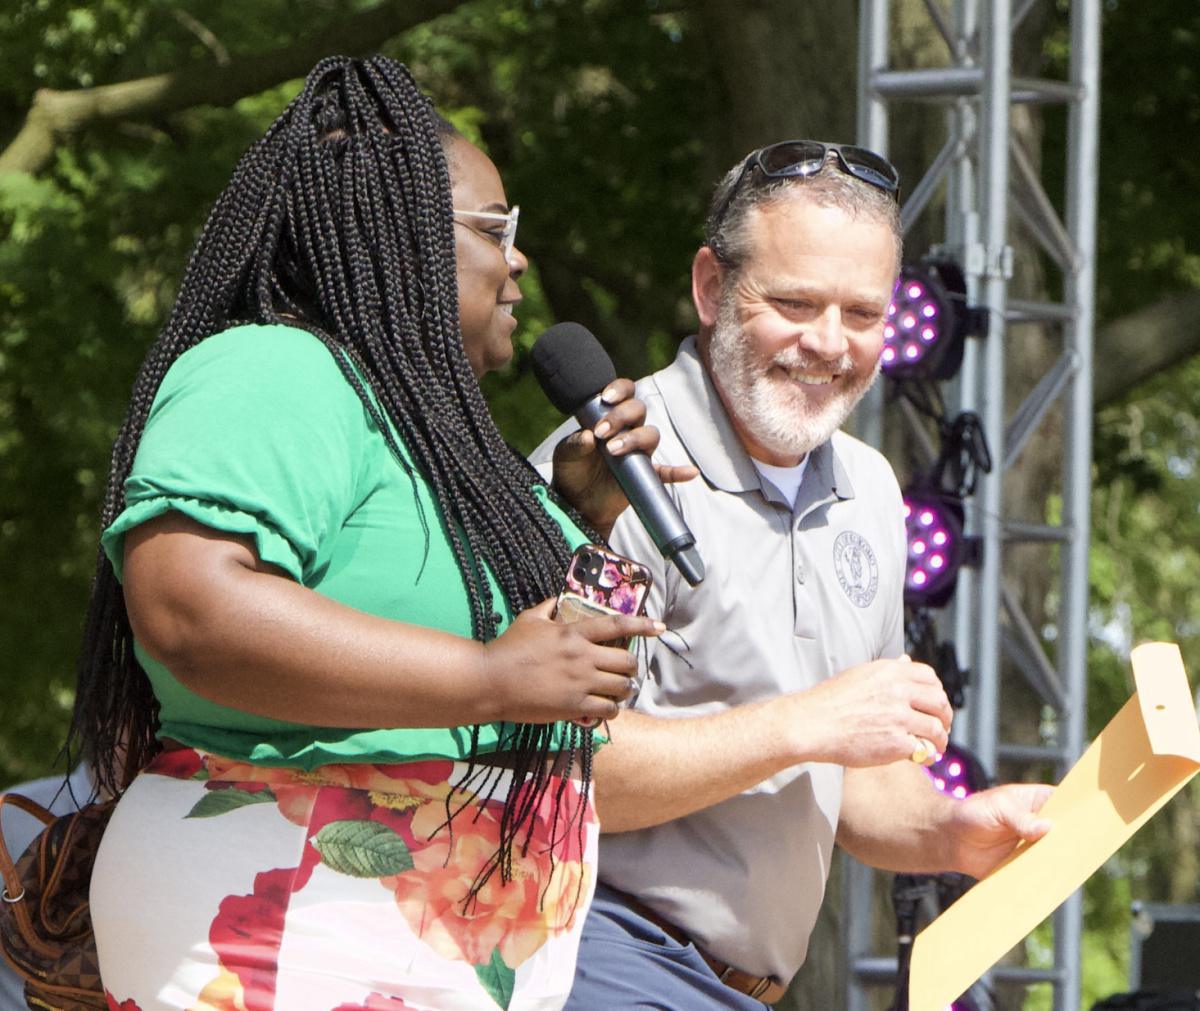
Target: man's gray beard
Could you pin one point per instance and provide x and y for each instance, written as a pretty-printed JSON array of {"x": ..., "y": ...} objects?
[{"x": 777, "y": 415}]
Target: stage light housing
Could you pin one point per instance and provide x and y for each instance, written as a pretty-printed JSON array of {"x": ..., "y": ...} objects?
[
  {"x": 957, "y": 773},
  {"x": 927, "y": 322},
  {"x": 936, "y": 547}
]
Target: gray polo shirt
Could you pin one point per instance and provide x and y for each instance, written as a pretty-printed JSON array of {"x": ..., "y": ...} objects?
[{"x": 792, "y": 595}]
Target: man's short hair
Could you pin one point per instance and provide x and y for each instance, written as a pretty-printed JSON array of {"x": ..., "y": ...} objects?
[{"x": 725, "y": 233}]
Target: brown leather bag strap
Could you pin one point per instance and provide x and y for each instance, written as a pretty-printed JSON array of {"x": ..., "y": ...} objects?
[
  {"x": 80, "y": 840},
  {"x": 28, "y": 806},
  {"x": 45, "y": 924},
  {"x": 13, "y": 892}
]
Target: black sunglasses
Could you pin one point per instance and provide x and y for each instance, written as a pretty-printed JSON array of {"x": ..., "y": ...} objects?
[{"x": 790, "y": 158}]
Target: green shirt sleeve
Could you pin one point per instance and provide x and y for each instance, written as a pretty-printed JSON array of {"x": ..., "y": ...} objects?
[{"x": 254, "y": 431}]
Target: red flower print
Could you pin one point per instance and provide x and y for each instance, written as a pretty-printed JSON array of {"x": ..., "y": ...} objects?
[
  {"x": 431, "y": 773},
  {"x": 247, "y": 933},
  {"x": 514, "y": 919},
  {"x": 182, "y": 763}
]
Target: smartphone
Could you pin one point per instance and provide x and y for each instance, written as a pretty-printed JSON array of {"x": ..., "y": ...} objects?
[{"x": 601, "y": 582}]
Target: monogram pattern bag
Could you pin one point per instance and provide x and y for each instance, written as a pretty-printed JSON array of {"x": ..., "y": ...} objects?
[{"x": 45, "y": 925}]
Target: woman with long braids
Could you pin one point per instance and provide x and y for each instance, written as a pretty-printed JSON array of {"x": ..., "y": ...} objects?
[{"x": 320, "y": 666}]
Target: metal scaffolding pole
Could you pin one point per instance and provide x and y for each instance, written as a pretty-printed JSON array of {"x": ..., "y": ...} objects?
[
  {"x": 1083, "y": 156},
  {"x": 985, "y": 176}
]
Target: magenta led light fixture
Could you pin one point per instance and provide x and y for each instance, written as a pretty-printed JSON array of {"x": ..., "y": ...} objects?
[
  {"x": 934, "y": 524},
  {"x": 957, "y": 773},
  {"x": 926, "y": 323}
]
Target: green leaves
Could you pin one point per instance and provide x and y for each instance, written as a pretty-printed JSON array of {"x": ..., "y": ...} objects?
[
  {"x": 497, "y": 979},
  {"x": 362, "y": 849},
  {"x": 367, "y": 849},
  {"x": 218, "y": 802}
]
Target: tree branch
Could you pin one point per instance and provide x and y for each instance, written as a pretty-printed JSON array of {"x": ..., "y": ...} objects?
[
  {"x": 1135, "y": 347},
  {"x": 205, "y": 35},
  {"x": 55, "y": 115}
]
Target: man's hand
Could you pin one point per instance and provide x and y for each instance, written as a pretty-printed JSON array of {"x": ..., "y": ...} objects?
[
  {"x": 984, "y": 828},
  {"x": 583, "y": 478},
  {"x": 872, "y": 714},
  {"x": 893, "y": 818}
]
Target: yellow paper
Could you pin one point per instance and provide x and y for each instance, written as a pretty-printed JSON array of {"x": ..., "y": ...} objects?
[{"x": 1146, "y": 754}]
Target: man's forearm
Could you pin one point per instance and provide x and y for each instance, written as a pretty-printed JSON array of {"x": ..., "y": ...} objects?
[
  {"x": 893, "y": 818},
  {"x": 655, "y": 769}
]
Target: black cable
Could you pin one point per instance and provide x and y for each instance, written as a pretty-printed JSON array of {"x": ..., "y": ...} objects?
[
  {"x": 964, "y": 455},
  {"x": 909, "y": 892},
  {"x": 964, "y": 448},
  {"x": 920, "y": 632}
]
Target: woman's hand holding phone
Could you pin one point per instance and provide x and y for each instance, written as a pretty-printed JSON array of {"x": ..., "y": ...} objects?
[
  {"x": 541, "y": 670},
  {"x": 601, "y": 582}
]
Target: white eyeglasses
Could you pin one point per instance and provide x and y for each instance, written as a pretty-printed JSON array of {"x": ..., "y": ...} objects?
[{"x": 505, "y": 237}]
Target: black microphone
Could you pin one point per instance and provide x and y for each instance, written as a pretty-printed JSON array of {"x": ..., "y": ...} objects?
[{"x": 573, "y": 370}]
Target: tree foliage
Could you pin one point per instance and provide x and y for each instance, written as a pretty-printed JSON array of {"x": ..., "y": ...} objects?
[{"x": 91, "y": 253}]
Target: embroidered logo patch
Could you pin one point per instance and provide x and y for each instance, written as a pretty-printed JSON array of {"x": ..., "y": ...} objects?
[{"x": 856, "y": 567}]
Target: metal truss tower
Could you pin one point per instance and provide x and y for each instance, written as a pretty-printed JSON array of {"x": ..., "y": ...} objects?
[{"x": 988, "y": 182}]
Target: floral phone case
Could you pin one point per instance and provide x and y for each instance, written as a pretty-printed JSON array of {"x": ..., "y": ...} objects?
[{"x": 600, "y": 582}]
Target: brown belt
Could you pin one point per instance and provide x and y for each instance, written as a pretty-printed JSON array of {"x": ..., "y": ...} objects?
[{"x": 762, "y": 988}]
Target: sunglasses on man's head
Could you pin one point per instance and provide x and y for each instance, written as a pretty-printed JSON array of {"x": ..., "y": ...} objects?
[{"x": 791, "y": 158}]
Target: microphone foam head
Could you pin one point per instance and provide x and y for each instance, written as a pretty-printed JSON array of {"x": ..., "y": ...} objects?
[{"x": 570, "y": 365}]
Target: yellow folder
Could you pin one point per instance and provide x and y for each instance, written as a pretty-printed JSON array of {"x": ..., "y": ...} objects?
[{"x": 1145, "y": 755}]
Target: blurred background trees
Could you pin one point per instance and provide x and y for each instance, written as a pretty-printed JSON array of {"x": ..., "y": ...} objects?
[{"x": 610, "y": 121}]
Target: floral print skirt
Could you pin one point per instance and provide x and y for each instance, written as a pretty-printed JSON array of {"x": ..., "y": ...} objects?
[{"x": 221, "y": 886}]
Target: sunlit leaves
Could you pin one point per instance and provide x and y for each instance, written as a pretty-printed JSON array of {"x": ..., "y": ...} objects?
[{"x": 90, "y": 254}]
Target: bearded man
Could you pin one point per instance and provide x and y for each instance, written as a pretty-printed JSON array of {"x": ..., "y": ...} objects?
[{"x": 778, "y": 714}]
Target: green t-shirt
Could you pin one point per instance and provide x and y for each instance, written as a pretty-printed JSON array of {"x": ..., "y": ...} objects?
[{"x": 256, "y": 431}]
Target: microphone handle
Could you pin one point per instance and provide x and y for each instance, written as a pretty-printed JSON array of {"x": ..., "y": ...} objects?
[{"x": 636, "y": 475}]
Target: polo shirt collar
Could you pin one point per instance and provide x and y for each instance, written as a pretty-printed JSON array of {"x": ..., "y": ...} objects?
[{"x": 700, "y": 421}]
